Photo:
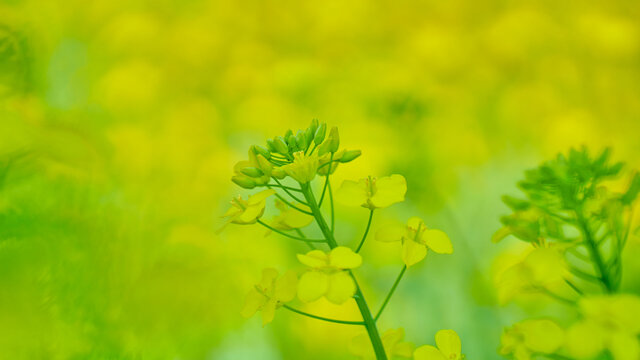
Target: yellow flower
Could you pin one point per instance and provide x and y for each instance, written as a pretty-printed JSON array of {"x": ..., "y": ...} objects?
[
  {"x": 328, "y": 275},
  {"x": 392, "y": 342},
  {"x": 609, "y": 322},
  {"x": 303, "y": 168},
  {"x": 531, "y": 336},
  {"x": 290, "y": 218},
  {"x": 373, "y": 193},
  {"x": 416, "y": 239},
  {"x": 541, "y": 269},
  {"x": 324, "y": 168},
  {"x": 270, "y": 294},
  {"x": 248, "y": 211},
  {"x": 448, "y": 348}
]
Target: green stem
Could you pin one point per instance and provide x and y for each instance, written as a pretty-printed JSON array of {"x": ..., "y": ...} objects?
[
  {"x": 369, "y": 322},
  {"x": 393, "y": 289},
  {"x": 285, "y": 187},
  {"x": 366, "y": 231},
  {"x": 346, "y": 322},
  {"x": 333, "y": 218},
  {"x": 289, "y": 235},
  {"x": 594, "y": 253},
  {"x": 324, "y": 190}
]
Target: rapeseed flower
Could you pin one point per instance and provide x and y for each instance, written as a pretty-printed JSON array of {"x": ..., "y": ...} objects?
[
  {"x": 245, "y": 212},
  {"x": 373, "y": 193},
  {"x": 448, "y": 347},
  {"x": 329, "y": 275},
  {"x": 271, "y": 293}
]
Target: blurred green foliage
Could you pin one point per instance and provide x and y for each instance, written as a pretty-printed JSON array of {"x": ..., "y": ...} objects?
[{"x": 120, "y": 122}]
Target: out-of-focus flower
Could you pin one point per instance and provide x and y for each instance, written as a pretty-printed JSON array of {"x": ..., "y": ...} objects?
[
  {"x": 290, "y": 218},
  {"x": 328, "y": 275},
  {"x": 270, "y": 294},
  {"x": 416, "y": 239},
  {"x": 609, "y": 322},
  {"x": 303, "y": 168},
  {"x": 360, "y": 345},
  {"x": 373, "y": 193},
  {"x": 248, "y": 211},
  {"x": 541, "y": 269},
  {"x": 531, "y": 336},
  {"x": 448, "y": 347}
]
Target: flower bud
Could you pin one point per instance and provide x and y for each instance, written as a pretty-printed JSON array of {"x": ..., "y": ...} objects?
[
  {"x": 281, "y": 145},
  {"x": 308, "y": 135},
  {"x": 244, "y": 182},
  {"x": 251, "y": 171},
  {"x": 334, "y": 140},
  {"x": 301, "y": 139},
  {"x": 320, "y": 132},
  {"x": 278, "y": 173},
  {"x": 288, "y": 133},
  {"x": 265, "y": 165},
  {"x": 262, "y": 151},
  {"x": 350, "y": 155},
  {"x": 271, "y": 145}
]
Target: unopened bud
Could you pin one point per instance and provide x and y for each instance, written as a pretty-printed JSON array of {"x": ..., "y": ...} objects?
[
  {"x": 262, "y": 151},
  {"x": 244, "y": 182},
  {"x": 301, "y": 140},
  {"x": 281, "y": 145},
  {"x": 251, "y": 171},
  {"x": 320, "y": 132},
  {"x": 334, "y": 140},
  {"x": 350, "y": 155}
]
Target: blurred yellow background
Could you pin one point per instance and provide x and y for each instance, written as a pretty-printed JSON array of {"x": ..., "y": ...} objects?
[{"x": 120, "y": 122}]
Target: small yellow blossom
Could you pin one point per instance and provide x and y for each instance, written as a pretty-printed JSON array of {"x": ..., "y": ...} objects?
[
  {"x": 392, "y": 342},
  {"x": 609, "y": 322},
  {"x": 289, "y": 217},
  {"x": 448, "y": 347},
  {"x": 328, "y": 275},
  {"x": 416, "y": 239},
  {"x": 248, "y": 211},
  {"x": 531, "y": 336},
  {"x": 270, "y": 294},
  {"x": 303, "y": 168},
  {"x": 324, "y": 168},
  {"x": 373, "y": 193}
]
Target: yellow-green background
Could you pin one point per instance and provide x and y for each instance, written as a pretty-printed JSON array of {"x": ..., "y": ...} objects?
[{"x": 127, "y": 116}]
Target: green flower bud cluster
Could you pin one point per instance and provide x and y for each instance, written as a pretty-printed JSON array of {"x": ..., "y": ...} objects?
[{"x": 294, "y": 155}]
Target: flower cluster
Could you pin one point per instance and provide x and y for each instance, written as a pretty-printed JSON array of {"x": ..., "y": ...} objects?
[
  {"x": 287, "y": 167},
  {"x": 577, "y": 228}
]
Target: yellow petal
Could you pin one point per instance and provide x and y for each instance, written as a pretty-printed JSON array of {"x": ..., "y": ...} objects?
[
  {"x": 404, "y": 349},
  {"x": 415, "y": 223},
  {"x": 352, "y": 193},
  {"x": 389, "y": 190},
  {"x": 428, "y": 352},
  {"x": 269, "y": 275},
  {"x": 252, "y": 303},
  {"x": 624, "y": 346},
  {"x": 392, "y": 337},
  {"x": 541, "y": 335},
  {"x": 341, "y": 287},
  {"x": 258, "y": 198},
  {"x": 268, "y": 312},
  {"x": 360, "y": 345},
  {"x": 314, "y": 259},
  {"x": 286, "y": 287},
  {"x": 449, "y": 344},
  {"x": 390, "y": 233},
  {"x": 438, "y": 241},
  {"x": 546, "y": 265},
  {"x": 312, "y": 285},
  {"x": 413, "y": 252},
  {"x": 343, "y": 257},
  {"x": 584, "y": 340}
]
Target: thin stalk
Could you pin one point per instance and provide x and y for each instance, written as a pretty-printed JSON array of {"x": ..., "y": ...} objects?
[
  {"x": 333, "y": 217},
  {"x": 393, "y": 289},
  {"x": 555, "y": 296},
  {"x": 369, "y": 322},
  {"x": 346, "y": 322},
  {"x": 285, "y": 187},
  {"x": 289, "y": 235},
  {"x": 324, "y": 190},
  {"x": 366, "y": 231},
  {"x": 288, "y": 193},
  {"x": 302, "y": 235},
  {"x": 573, "y": 286},
  {"x": 290, "y": 204}
]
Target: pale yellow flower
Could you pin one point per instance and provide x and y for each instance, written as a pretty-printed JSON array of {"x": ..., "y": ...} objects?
[
  {"x": 248, "y": 211},
  {"x": 448, "y": 347},
  {"x": 329, "y": 275},
  {"x": 271, "y": 293},
  {"x": 373, "y": 193},
  {"x": 392, "y": 341},
  {"x": 531, "y": 336}
]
